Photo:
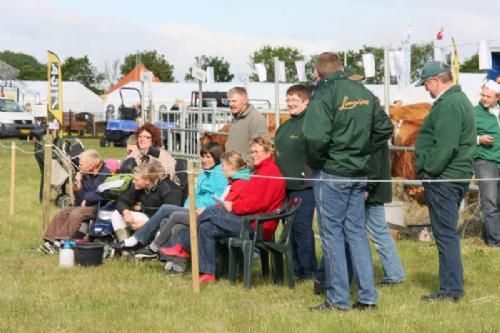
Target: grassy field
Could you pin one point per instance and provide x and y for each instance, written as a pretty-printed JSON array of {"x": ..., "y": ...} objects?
[{"x": 127, "y": 296}]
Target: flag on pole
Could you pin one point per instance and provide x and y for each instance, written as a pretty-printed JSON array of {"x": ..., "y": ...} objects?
[
  {"x": 281, "y": 71},
  {"x": 55, "y": 99},
  {"x": 440, "y": 34},
  {"x": 210, "y": 75},
  {"x": 455, "y": 62},
  {"x": 405, "y": 78},
  {"x": 439, "y": 54},
  {"x": 484, "y": 52},
  {"x": 300, "y": 66},
  {"x": 261, "y": 71},
  {"x": 368, "y": 64}
]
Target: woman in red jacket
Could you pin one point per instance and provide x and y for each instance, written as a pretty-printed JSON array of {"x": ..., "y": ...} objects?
[{"x": 263, "y": 193}]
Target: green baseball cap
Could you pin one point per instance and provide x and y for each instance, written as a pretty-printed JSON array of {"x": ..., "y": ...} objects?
[{"x": 430, "y": 69}]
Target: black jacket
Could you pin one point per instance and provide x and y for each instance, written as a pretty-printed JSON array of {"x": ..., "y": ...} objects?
[{"x": 165, "y": 192}]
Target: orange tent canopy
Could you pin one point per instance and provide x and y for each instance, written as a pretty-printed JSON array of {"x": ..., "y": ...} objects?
[{"x": 133, "y": 75}]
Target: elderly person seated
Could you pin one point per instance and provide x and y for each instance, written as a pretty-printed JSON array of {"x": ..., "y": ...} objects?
[{"x": 68, "y": 222}]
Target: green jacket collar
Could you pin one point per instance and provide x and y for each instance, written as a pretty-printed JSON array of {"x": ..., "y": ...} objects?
[
  {"x": 484, "y": 107},
  {"x": 335, "y": 76},
  {"x": 298, "y": 116},
  {"x": 453, "y": 89}
]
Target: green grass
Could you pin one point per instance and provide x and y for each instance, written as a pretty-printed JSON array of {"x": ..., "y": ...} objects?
[{"x": 124, "y": 296}]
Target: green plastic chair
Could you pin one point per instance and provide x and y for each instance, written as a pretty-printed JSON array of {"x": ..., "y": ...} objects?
[{"x": 280, "y": 251}]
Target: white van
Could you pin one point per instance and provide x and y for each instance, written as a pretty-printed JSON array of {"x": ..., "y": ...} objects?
[{"x": 15, "y": 121}]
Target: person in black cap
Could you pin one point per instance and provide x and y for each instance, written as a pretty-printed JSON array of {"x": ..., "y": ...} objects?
[{"x": 444, "y": 149}]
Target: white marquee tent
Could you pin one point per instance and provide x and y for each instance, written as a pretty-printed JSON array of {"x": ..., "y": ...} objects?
[
  {"x": 169, "y": 93},
  {"x": 76, "y": 98}
]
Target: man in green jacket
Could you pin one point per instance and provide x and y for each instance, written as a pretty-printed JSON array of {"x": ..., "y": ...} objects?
[
  {"x": 343, "y": 126},
  {"x": 444, "y": 150},
  {"x": 487, "y": 159}
]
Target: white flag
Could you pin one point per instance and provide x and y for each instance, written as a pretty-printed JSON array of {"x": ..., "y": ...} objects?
[
  {"x": 210, "y": 75},
  {"x": 261, "y": 71},
  {"x": 439, "y": 54},
  {"x": 281, "y": 71},
  {"x": 300, "y": 66},
  {"x": 396, "y": 62},
  {"x": 484, "y": 55},
  {"x": 369, "y": 64}
]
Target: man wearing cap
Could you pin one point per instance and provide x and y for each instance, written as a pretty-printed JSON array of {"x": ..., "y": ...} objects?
[
  {"x": 487, "y": 159},
  {"x": 444, "y": 149}
]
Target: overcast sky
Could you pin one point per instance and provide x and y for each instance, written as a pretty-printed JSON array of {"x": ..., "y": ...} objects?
[{"x": 109, "y": 29}]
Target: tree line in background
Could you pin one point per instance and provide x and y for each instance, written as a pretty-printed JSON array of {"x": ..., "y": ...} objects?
[{"x": 82, "y": 70}]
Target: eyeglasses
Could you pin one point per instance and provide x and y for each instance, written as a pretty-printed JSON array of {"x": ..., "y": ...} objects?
[
  {"x": 252, "y": 152},
  {"x": 429, "y": 79}
]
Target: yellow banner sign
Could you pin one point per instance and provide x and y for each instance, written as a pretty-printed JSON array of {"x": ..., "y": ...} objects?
[{"x": 54, "y": 97}]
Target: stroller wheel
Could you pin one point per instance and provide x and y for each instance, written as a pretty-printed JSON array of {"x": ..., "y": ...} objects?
[
  {"x": 103, "y": 142},
  {"x": 63, "y": 201}
]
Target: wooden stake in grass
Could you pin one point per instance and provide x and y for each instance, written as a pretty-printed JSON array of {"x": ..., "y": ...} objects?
[
  {"x": 47, "y": 171},
  {"x": 193, "y": 228},
  {"x": 13, "y": 178},
  {"x": 71, "y": 189}
]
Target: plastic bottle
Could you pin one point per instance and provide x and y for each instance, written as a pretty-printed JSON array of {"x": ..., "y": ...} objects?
[{"x": 66, "y": 254}]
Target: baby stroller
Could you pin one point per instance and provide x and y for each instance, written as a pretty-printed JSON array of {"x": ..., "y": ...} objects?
[
  {"x": 101, "y": 229},
  {"x": 65, "y": 160}
]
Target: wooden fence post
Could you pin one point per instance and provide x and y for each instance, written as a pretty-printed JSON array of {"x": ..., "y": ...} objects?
[
  {"x": 193, "y": 228},
  {"x": 13, "y": 178},
  {"x": 47, "y": 175}
]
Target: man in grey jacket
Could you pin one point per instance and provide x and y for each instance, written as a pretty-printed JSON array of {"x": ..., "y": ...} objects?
[{"x": 247, "y": 121}]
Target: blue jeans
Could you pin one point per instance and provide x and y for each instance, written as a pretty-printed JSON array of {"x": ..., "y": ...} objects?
[
  {"x": 214, "y": 223},
  {"x": 443, "y": 202},
  {"x": 302, "y": 235},
  {"x": 148, "y": 231},
  {"x": 378, "y": 230},
  {"x": 341, "y": 218},
  {"x": 490, "y": 199}
]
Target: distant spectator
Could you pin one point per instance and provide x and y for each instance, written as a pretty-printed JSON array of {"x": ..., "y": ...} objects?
[
  {"x": 149, "y": 144},
  {"x": 247, "y": 121},
  {"x": 487, "y": 159}
]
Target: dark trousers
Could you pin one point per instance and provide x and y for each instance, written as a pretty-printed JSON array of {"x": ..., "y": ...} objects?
[
  {"x": 302, "y": 235},
  {"x": 214, "y": 223},
  {"x": 443, "y": 201}
]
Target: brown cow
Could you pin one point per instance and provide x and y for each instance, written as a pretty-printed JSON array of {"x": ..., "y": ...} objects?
[
  {"x": 408, "y": 120},
  {"x": 220, "y": 137}
]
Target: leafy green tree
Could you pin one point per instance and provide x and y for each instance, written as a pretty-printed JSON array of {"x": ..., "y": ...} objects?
[
  {"x": 221, "y": 68},
  {"x": 29, "y": 68},
  {"x": 154, "y": 61},
  {"x": 420, "y": 54},
  {"x": 284, "y": 53},
  {"x": 471, "y": 65},
  {"x": 82, "y": 70}
]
